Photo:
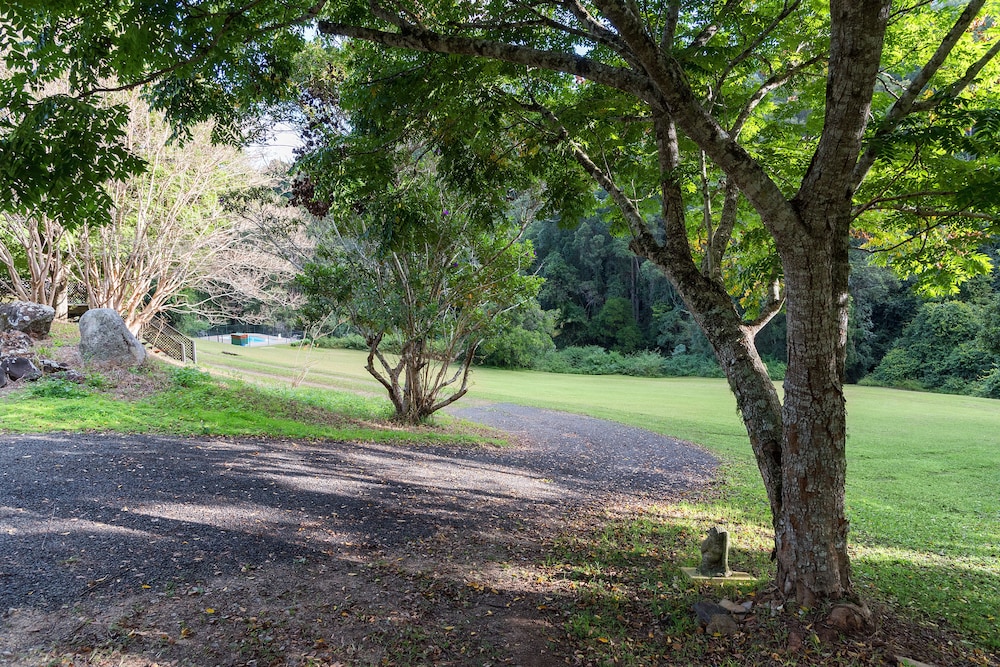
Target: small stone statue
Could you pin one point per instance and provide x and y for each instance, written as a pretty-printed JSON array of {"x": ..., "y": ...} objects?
[{"x": 715, "y": 554}]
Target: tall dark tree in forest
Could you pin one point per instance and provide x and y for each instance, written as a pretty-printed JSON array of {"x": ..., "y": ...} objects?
[{"x": 744, "y": 145}]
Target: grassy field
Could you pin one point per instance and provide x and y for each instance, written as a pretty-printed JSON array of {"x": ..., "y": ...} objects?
[
  {"x": 186, "y": 401},
  {"x": 923, "y": 480}
]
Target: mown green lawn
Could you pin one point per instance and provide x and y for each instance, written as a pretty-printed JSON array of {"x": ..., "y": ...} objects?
[{"x": 923, "y": 490}]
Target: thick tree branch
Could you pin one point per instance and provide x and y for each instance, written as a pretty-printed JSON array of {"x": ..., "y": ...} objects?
[
  {"x": 857, "y": 31},
  {"x": 665, "y": 85},
  {"x": 700, "y": 126},
  {"x": 427, "y": 41}
]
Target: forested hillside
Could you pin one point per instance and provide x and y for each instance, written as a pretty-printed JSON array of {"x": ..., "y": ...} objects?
[{"x": 598, "y": 293}]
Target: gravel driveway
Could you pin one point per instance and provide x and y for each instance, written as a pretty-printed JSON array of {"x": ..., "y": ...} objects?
[{"x": 86, "y": 517}]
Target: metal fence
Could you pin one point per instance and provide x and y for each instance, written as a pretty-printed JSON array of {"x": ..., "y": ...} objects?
[
  {"x": 168, "y": 340},
  {"x": 76, "y": 292},
  {"x": 264, "y": 329}
]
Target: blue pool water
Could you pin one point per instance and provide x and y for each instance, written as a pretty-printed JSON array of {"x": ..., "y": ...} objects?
[{"x": 256, "y": 339}]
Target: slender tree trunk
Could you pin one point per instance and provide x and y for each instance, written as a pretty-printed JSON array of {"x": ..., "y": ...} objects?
[
  {"x": 60, "y": 293},
  {"x": 712, "y": 308},
  {"x": 732, "y": 342}
]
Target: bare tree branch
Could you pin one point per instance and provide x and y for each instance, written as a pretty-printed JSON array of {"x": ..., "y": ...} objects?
[
  {"x": 708, "y": 32},
  {"x": 168, "y": 232}
]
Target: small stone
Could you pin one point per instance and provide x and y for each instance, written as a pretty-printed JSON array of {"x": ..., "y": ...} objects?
[
  {"x": 849, "y": 617},
  {"x": 732, "y": 607},
  {"x": 706, "y": 609},
  {"x": 722, "y": 624}
]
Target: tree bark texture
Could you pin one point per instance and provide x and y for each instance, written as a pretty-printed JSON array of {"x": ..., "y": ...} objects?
[{"x": 811, "y": 531}]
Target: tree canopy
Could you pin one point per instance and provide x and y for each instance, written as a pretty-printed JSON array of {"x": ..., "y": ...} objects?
[
  {"x": 196, "y": 61},
  {"x": 746, "y": 149}
]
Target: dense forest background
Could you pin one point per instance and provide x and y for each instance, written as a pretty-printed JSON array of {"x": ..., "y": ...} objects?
[{"x": 603, "y": 309}]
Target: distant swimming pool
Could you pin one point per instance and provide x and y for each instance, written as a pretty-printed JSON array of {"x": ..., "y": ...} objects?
[{"x": 247, "y": 339}]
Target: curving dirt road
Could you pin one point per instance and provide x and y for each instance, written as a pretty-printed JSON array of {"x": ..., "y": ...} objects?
[{"x": 122, "y": 543}]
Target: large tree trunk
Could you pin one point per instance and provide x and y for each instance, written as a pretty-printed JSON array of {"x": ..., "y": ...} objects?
[
  {"x": 799, "y": 446},
  {"x": 811, "y": 533}
]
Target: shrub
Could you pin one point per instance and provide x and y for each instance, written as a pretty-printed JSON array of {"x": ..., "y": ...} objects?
[
  {"x": 594, "y": 360},
  {"x": 644, "y": 364},
  {"x": 188, "y": 376},
  {"x": 57, "y": 388},
  {"x": 940, "y": 350},
  {"x": 899, "y": 365},
  {"x": 523, "y": 343},
  {"x": 346, "y": 342},
  {"x": 691, "y": 365},
  {"x": 517, "y": 348},
  {"x": 589, "y": 360},
  {"x": 190, "y": 324},
  {"x": 989, "y": 387},
  {"x": 956, "y": 385}
]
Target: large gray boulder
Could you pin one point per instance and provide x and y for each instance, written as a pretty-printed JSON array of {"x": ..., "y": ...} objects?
[
  {"x": 34, "y": 319},
  {"x": 104, "y": 337}
]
